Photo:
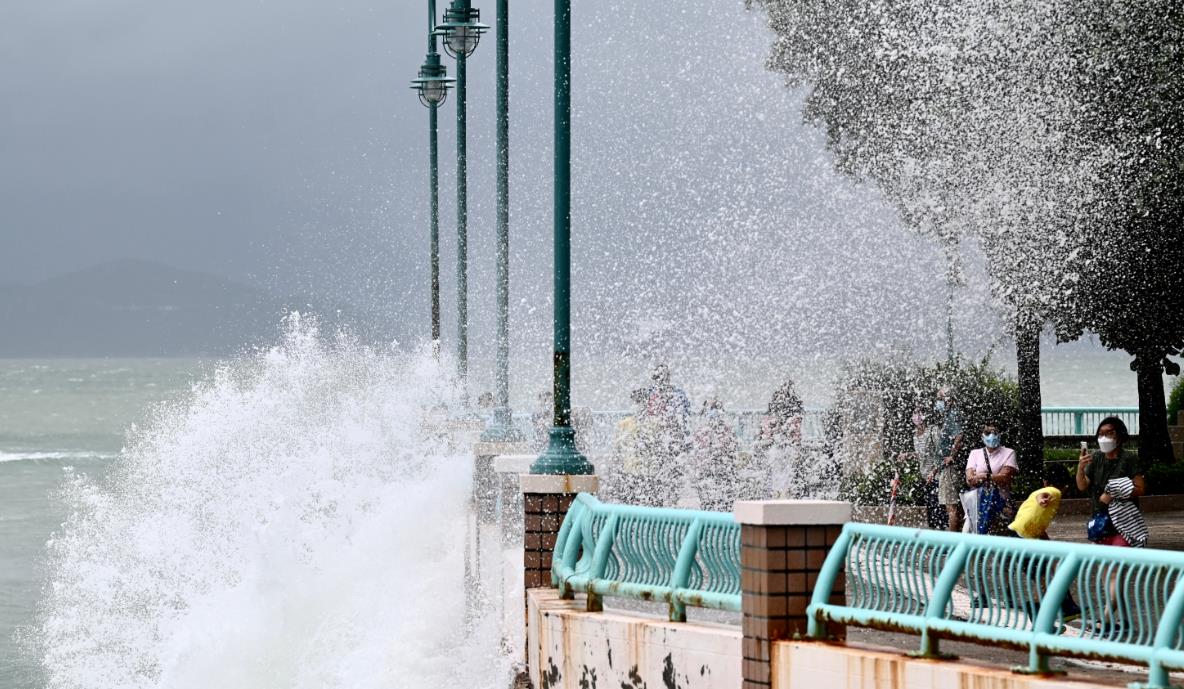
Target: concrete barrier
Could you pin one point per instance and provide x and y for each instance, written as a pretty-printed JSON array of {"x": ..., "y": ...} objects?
[
  {"x": 568, "y": 648},
  {"x": 818, "y": 665}
]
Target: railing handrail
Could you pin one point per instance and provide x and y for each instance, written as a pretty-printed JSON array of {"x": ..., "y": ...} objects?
[
  {"x": 582, "y": 566},
  {"x": 1092, "y": 410},
  {"x": 1055, "y": 421},
  {"x": 1146, "y": 635}
]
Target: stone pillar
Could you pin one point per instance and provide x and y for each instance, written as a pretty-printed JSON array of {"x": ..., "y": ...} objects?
[
  {"x": 545, "y": 501},
  {"x": 486, "y": 485},
  {"x": 507, "y": 469},
  {"x": 783, "y": 544}
]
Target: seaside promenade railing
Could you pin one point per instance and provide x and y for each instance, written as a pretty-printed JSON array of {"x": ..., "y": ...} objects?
[
  {"x": 1131, "y": 600},
  {"x": 598, "y": 428},
  {"x": 990, "y": 590},
  {"x": 1085, "y": 420},
  {"x": 683, "y": 557}
]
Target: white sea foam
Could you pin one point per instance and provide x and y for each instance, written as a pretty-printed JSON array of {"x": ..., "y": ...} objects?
[{"x": 288, "y": 525}]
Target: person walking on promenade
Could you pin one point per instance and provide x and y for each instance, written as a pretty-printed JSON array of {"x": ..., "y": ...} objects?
[
  {"x": 715, "y": 459},
  {"x": 1113, "y": 479},
  {"x": 949, "y": 420},
  {"x": 777, "y": 449},
  {"x": 929, "y": 466},
  {"x": 1032, "y": 520},
  {"x": 991, "y": 469},
  {"x": 665, "y": 438}
]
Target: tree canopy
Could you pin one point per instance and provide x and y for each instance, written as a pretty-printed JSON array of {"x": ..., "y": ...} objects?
[{"x": 1047, "y": 131}]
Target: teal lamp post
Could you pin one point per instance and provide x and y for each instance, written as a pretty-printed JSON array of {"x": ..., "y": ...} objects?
[
  {"x": 502, "y": 429},
  {"x": 432, "y": 87},
  {"x": 561, "y": 455},
  {"x": 461, "y": 31}
]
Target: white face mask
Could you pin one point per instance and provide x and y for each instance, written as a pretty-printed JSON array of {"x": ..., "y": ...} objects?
[{"x": 1106, "y": 445}]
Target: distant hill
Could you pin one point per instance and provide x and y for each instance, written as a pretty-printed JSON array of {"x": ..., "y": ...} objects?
[{"x": 139, "y": 308}]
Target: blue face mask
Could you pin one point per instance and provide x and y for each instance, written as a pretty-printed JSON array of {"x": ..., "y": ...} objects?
[
  {"x": 939, "y": 406},
  {"x": 991, "y": 440}
]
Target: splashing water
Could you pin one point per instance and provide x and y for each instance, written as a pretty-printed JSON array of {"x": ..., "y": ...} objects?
[{"x": 289, "y": 525}]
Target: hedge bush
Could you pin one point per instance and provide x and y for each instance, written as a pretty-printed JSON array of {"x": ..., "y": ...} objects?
[
  {"x": 983, "y": 394},
  {"x": 1176, "y": 401}
]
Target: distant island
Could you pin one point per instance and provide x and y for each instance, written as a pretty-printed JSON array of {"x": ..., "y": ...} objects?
[{"x": 140, "y": 308}]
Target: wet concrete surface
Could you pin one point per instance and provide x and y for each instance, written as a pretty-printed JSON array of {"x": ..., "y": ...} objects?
[
  {"x": 1100, "y": 673},
  {"x": 1167, "y": 529}
]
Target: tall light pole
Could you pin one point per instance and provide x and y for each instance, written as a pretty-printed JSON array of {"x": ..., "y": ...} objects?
[
  {"x": 502, "y": 428},
  {"x": 461, "y": 30},
  {"x": 561, "y": 455},
  {"x": 432, "y": 86}
]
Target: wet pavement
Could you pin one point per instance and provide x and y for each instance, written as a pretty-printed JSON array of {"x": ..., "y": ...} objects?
[{"x": 1167, "y": 529}]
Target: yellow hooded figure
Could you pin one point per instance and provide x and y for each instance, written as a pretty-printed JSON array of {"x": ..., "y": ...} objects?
[{"x": 1037, "y": 512}]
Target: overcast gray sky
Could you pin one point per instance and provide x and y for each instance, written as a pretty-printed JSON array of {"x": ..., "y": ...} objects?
[{"x": 278, "y": 143}]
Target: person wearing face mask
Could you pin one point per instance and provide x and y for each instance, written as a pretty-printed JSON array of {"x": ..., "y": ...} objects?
[
  {"x": 991, "y": 469},
  {"x": 925, "y": 452},
  {"x": 715, "y": 459},
  {"x": 1113, "y": 479},
  {"x": 949, "y": 420}
]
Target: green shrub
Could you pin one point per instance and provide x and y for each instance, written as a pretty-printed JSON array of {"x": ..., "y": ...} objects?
[
  {"x": 896, "y": 389},
  {"x": 1176, "y": 402},
  {"x": 1165, "y": 479}
]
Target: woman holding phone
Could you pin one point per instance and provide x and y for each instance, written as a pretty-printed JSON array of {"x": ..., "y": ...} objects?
[{"x": 1112, "y": 478}]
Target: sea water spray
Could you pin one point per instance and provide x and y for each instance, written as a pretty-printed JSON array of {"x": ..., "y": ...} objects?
[{"x": 296, "y": 521}]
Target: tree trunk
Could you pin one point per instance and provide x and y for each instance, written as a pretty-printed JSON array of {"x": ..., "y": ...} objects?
[
  {"x": 1155, "y": 447},
  {"x": 1029, "y": 437}
]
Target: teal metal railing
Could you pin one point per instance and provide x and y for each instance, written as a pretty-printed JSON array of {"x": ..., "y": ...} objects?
[
  {"x": 599, "y": 428},
  {"x": 1009, "y": 592},
  {"x": 682, "y": 557},
  {"x": 1085, "y": 420}
]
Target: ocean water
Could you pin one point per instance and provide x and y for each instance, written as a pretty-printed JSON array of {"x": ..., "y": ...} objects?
[
  {"x": 284, "y": 520},
  {"x": 176, "y": 523}
]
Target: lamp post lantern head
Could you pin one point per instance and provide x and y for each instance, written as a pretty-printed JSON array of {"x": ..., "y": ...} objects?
[
  {"x": 433, "y": 82},
  {"x": 461, "y": 28}
]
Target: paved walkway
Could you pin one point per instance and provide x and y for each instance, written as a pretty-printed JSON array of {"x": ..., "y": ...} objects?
[
  {"x": 1167, "y": 529},
  {"x": 1097, "y": 672}
]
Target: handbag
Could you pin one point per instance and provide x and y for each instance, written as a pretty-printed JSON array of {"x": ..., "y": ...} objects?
[
  {"x": 1099, "y": 526},
  {"x": 969, "y": 500},
  {"x": 991, "y": 502}
]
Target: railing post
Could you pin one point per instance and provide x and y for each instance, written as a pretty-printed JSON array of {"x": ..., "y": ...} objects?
[
  {"x": 832, "y": 569},
  {"x": 682, "y": 570},
  {"x": 1078, "y": 422},
  {"x": 1050, "y": 607},
  {"x": 1165, "y": 637},
  {"x": 783, "y": 545},
  {"x": 604, "y": 546},
  {"x": 940, "y": 599}
]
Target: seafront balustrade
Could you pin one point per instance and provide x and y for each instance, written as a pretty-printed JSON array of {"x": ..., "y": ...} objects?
[
  {"x": 682, "y": 557},
  {"x": 991, "y": 590},
  {"x": 1011, "y": 593},
  {"x": 597, "y": 429}
]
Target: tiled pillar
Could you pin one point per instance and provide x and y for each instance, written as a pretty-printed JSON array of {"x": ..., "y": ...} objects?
[
  {"x": 545, "y": 501},
  {"x": 783, "y": 544}
]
